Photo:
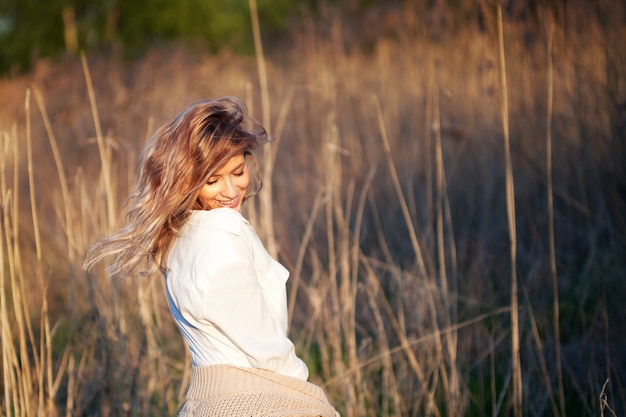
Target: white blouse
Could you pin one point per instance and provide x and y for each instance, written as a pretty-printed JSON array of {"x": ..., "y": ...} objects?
[{"x": 228, "y": 295}]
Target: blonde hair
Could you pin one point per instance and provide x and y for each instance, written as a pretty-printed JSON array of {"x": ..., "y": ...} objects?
[{"x": 174, "y": 165}]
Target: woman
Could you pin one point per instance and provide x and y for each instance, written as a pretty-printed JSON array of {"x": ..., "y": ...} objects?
[{"x": 226, "y": 294}]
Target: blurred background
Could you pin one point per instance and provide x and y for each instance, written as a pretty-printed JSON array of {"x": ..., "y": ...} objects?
[{"x": 446, "y": 185}]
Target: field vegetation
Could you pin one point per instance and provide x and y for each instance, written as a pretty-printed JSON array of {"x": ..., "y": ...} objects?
[{"x": 447, "y": 189}]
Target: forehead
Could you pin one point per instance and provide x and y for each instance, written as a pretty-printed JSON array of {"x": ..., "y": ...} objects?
[{"x": 232, "y": 164}]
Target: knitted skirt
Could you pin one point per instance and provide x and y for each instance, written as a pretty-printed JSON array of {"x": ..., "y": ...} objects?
[{"x": 224, "y": 390}]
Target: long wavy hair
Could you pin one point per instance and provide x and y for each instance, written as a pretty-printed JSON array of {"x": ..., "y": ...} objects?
[{"x": 177, "y": 161}]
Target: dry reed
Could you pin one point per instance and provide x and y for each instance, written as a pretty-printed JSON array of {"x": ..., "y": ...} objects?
[
  {"x": 512, "y": 226},
  {"x": 399, "y": 222}
]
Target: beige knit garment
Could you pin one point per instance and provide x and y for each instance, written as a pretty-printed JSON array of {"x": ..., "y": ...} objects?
[{"x": 229, "y": 391}]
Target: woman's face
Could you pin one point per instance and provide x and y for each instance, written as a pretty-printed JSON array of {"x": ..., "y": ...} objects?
[{"x": 227, "y": 186}]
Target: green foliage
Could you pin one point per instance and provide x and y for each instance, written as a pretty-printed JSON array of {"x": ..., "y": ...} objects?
[
  {"x": 31, "y": 28},
  {"x": 28, "y": 28},
  {"x": 148, "y": 20}
]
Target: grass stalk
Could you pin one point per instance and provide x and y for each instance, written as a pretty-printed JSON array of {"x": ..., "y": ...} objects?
[
  {"x": 6, "y": 336},
  {"x": 265, "y": 197},
  {"x": 414, "y": 341},
  {"x": 604, "y": 403},
  {"x": 354, "y": 259},
  {"x": 251, "y": 207},
  {"x": 405, "y": 344},
  {"x": 492, "y": 375},
  {"x": 44, "y": 327},
  {"x": 510, "y": 204},
  {"x": 348, "y": 297},
  {"x": 540, "y": 355},
  {"x": 52, "y": 383},
  {"x": 297, "y": 271},
  {"x": 398, "y": 189},
  {"x": 551, "y": 237},
  {"x": 103, "y": 148},
  {"x": 58, "y": 161},
  {"x": 443, "y": 216},
  {"x": 338, "y": 329},
  {"x": 119, "y": 397},
  {"x": 26, "y": 340},
  {"x": 388, "y": 380},
  {"x": 71, "y": 386},
  {"x": 447, "y": 381}
]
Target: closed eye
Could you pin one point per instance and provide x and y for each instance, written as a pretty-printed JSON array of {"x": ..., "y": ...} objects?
[{"x": 237, "y": 172}]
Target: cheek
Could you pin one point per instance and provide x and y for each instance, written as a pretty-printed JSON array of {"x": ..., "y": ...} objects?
[
  {"x": 244, "y": 180},
  {"x": 206, "y": 193}
]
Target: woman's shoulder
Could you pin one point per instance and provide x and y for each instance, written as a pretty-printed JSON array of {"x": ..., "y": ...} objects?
[
  {"x": 221, "y": 219},
  {"x": 210, "y": 236}
]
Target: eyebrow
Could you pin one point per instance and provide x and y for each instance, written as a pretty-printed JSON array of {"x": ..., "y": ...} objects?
[{"x": 238, "y": 167}]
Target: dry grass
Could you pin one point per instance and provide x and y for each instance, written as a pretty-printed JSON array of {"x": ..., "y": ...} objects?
[{"x": 406, "y": 230}]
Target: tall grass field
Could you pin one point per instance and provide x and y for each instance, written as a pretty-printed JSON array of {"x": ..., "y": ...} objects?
[{"x": 451, "y": 207}]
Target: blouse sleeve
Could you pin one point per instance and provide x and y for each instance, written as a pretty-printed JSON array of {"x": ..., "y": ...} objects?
[{"x": 230, "y": 297}]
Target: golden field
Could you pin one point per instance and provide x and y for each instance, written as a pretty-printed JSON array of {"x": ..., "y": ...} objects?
[{"x": 451, "y": 208}]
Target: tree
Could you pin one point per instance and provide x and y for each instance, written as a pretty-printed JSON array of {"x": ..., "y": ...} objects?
[{"x": 30, "y": 29}]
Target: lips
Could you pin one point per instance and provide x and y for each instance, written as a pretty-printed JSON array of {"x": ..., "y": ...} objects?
[{"x": 233, "y": 203}]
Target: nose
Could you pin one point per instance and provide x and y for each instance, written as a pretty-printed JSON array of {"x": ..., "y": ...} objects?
[{"x": 230, "y": 188}]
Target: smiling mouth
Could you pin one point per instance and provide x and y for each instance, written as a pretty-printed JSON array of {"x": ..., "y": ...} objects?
[{"x": 229, "y": 203}]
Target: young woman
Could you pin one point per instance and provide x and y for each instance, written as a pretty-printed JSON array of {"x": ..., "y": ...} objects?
[{"x": 226, "y": 294}]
